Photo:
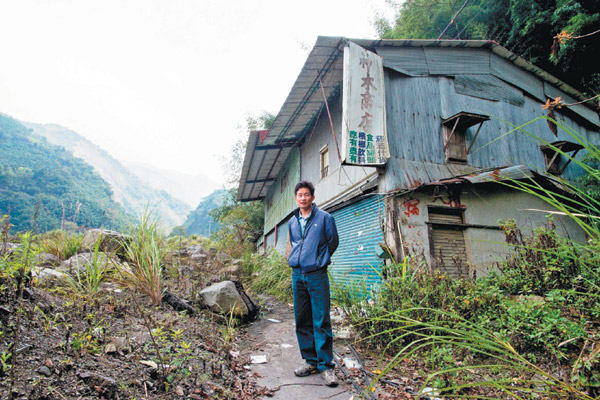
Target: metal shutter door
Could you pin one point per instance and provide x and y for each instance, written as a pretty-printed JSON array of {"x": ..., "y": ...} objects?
[
  {"x": 356, "y": 263},
  {"x": 448, "y": 245}
]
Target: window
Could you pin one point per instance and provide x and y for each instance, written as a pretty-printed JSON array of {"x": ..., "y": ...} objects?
[
  {"x": 554, "y": 161},
  {"x": 447, "y": 241},
  {"x": 454, "y": 130},
  {"x": 324, "y": 161}
]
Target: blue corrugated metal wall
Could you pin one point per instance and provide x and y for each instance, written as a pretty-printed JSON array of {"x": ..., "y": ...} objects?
[{"x": 359, "y": 228}]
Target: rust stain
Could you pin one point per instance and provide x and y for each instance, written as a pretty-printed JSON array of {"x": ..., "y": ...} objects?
[
  {"x": 495, "y": 175},
  {"x": 412, "y": 183}
]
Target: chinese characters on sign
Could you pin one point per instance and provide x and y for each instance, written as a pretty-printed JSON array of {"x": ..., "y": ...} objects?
[{"x": 364, "y": 131}]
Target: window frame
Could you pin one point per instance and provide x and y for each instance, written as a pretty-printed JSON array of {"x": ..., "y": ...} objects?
[{"x": 324, "y": 156}]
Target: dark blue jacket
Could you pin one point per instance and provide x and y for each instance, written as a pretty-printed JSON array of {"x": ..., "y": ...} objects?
[{"x": 313, "y": 250}]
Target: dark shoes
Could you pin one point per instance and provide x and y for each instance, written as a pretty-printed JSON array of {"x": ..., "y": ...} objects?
[
  {"x": 306, "y": 369},
  {"x": 329, "y": 377}
]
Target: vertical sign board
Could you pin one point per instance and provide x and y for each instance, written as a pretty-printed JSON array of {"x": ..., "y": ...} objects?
[{"x": 364, "y": 137}]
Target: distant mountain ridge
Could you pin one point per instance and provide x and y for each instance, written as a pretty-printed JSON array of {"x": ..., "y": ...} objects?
[
  {"x": 44, "y": 187},
  {"x": 129, "y": 190},
  {"x": 187, "y": 187},
  {"x": 199, "y": 222}
]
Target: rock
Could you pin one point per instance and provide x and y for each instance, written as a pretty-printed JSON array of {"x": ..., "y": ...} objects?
[
  {"x": 80, "y": 261},
  {"x": 110, "y": 241},
  {"x": 9, "y": 248},
  {"x": 230, "y": 270},
  {"x": 253, "y": 308},
  {"x": 105, "y": 387},
  {"x": 223, "y": 297},
  {"x": 199, "y": 257},
  {"x": 110, "y": 348},
  {"x": 46, "y": 260},
  {"x": 223, "y": 257},
  {"x": 43, "y": 274},
  {"x": 177, "y": 303},
  {"x": 528, "y": 299},
  {"x": 44, "y": 371}
]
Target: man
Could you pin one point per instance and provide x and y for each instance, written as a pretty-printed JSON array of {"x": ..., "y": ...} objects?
[{"x": 313, "y": 237}]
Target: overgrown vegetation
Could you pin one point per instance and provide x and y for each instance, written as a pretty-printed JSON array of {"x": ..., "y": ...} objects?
[
  {"x": 80, "y": 335},
  {"x": 269, "y": 274},
  {"x": 529, "y": 330}
]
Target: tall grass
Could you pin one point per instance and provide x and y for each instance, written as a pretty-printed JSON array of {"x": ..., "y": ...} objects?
[
  {"x": 269, "y": 274},
  {"x": 61, "y": 244},
  {"x": 145, "y": 251},
  {"x": 88, "y": 278}
]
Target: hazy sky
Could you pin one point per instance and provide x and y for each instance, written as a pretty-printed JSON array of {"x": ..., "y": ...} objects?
[{"x": 164, "y": 82}]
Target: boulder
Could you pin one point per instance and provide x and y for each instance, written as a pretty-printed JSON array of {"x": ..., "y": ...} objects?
[
  {"x": 110, "y": 241},
  {"x": 81, "y": 261},
  {"x": 46, "y": 260},
  {"x": 223, "y": 297},
  {"x": 42, "y": 273}
]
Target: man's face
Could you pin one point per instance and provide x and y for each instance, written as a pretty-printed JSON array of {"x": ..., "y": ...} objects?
[{"x": 304, "y": 199}]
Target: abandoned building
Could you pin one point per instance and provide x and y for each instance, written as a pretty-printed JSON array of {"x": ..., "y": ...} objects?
[{"x": 410, "y": 144}]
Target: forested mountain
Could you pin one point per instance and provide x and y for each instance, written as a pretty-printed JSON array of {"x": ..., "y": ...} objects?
[
  {"x": 68, "y": 191},
  {"x": 199, "y": 222},
  {"x": 128, "y": 188}
]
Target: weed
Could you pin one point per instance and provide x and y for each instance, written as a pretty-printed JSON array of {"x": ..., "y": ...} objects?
[
  {"x": 49, "y": 322},
  {"x": 145, "y": 252},
  {"x": 87, "y": 279},
  {"x": 228, "y": 329},
  {"x": 61, "y": 244}
]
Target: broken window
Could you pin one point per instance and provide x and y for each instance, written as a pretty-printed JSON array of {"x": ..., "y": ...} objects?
[
  {"x": 555, "y": 162},
  {"x": 455, "y": 135},
  {"x": 447, "y": 241},
  {"x": 324, "y": 161}
]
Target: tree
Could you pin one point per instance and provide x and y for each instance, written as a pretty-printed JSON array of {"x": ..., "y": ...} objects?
[{"x": 241, "y": 222}]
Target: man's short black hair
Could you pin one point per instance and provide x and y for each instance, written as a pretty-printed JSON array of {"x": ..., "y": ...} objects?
[{"x": 305, "y": 184}]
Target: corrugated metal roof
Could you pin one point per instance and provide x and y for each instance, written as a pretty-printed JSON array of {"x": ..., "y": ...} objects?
[{"x": 324, "y": 66}]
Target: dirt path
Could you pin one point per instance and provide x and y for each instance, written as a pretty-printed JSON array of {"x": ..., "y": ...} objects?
[{"x": 273, "y": 337}]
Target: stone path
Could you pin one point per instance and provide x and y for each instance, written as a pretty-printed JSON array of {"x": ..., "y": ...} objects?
[{"x": 276, "y": 341}]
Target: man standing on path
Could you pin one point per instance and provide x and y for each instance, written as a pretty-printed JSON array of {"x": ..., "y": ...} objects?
[{"x": 313, "y": 237}]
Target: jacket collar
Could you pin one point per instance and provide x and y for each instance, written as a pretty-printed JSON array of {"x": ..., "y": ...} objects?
[{"x": 314, "y": 210}]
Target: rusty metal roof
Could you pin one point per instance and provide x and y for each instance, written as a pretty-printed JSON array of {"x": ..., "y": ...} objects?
[{"x": 267, "y": 152}]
